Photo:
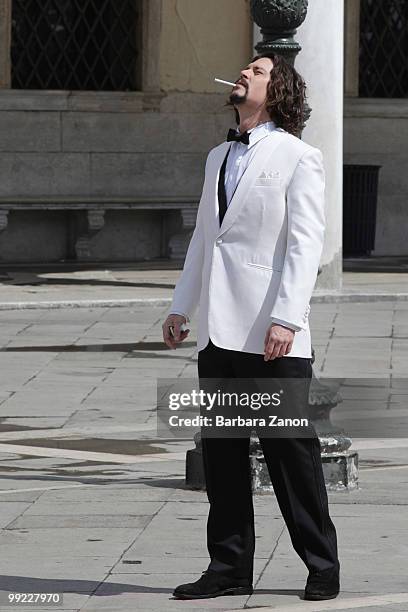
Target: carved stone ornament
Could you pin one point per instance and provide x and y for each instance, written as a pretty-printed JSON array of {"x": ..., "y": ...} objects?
[{"x": 279, "y": 15}]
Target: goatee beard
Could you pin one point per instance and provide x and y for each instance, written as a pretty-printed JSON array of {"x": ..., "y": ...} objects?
[{"x": 237, "y": 99}]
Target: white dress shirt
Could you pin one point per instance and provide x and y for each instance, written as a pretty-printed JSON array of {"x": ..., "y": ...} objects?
[{"x": 239, "y": 158}]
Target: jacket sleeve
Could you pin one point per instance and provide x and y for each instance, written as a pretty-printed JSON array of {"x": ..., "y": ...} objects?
[
  {"x": 306, "y": 225},
  {"x": 188, "y": 287}
]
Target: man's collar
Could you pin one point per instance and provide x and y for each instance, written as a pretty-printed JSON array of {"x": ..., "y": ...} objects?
[{"x": 260, "y": 131}]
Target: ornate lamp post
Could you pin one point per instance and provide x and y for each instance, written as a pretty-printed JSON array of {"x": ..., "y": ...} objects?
[{"x": 278, "y": 20}]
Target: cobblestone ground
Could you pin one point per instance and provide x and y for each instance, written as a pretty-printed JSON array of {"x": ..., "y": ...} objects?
[{"x": 93, "y": 504}]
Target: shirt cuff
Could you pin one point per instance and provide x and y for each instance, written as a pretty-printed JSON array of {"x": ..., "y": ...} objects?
[
  {"x": 180, "y": 313},
  {"x": 291, "y": 326}
]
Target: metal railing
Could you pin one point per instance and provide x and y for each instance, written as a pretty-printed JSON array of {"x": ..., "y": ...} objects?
[
  {"x": 384, "y": 49},
  {"x": 75, "y": 44}
]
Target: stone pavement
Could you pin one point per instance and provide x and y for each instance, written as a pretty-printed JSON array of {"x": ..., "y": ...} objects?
[
  {"x": 93, "y": 502},
  {"x": 148, "y": 281}
]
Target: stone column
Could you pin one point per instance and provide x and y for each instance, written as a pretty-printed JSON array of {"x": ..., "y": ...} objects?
[
  {"x": 321, "y": 64},
  {"x": 5, "y": 42}
]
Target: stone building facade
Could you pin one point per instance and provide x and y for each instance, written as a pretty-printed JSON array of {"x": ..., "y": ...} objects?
[
  {"x": 376, "y": 109},
  {"x": 116, "y": 175},
  {"x": 102, "y": 175}
]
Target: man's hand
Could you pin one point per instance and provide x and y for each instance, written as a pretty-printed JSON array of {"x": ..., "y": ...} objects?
[
  {"x": 278, "y": 341},
  {"x": 174, "y": 322}
]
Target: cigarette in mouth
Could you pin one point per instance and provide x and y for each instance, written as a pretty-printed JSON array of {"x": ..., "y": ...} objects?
[{"x": 225, "y": 82}]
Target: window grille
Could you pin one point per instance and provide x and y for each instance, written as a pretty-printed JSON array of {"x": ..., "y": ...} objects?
[
  {"x": 384, "y": 49},
  {"x": 75, "y": 44}
]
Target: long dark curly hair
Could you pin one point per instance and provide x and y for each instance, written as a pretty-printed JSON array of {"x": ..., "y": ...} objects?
[{"x": 286, "y": 95}]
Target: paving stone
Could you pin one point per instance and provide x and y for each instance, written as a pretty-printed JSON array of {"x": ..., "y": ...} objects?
[
  {"x": 82, "y": 521},
  {"x": 143, "y": 512}
]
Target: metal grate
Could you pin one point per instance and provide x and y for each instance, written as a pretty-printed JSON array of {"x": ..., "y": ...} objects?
[
  {"x": 75, "y": 44},
  {"x": 360, "y": 192},
  {"x": 384, "y": 49}
]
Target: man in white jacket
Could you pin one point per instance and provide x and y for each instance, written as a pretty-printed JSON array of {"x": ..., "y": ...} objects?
[{"x": 251, "y": 267}]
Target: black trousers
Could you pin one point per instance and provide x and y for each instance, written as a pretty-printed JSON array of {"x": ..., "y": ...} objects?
[{"x": 294, "y": 466}]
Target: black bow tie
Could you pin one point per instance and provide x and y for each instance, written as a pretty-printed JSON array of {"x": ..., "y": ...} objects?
[{"x": 232, "y": 135}]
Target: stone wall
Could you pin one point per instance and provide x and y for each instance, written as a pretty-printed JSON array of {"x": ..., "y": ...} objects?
[
  {"x": 109, "y": 144},
  {"x": 77, "y": 146},
  {"x": 202, "y": 40},
  {"x": 376, "y": 132},
  {"x": 123, "y": 145}
]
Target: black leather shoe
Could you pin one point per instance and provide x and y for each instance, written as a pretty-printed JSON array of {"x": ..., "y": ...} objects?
[
  {"x": 213, "y": 584},
  {"x": 323, "y": 585}
]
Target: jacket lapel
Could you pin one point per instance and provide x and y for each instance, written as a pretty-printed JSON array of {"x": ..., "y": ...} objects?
[
  {"x": 214, "y": 175},
  {"x": 264, "y": 151}
]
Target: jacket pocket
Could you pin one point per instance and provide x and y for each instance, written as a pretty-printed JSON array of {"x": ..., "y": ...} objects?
[{"x": 256, "y": 265}]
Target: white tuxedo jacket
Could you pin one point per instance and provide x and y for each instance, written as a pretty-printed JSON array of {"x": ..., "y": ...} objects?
[{"x": 263, "y": 260}]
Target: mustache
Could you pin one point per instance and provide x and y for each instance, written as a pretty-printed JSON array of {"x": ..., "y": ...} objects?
[{"x": 241, "y": 82}]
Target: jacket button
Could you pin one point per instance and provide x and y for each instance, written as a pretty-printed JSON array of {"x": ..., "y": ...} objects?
[{"x": 218, "y": 241}]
